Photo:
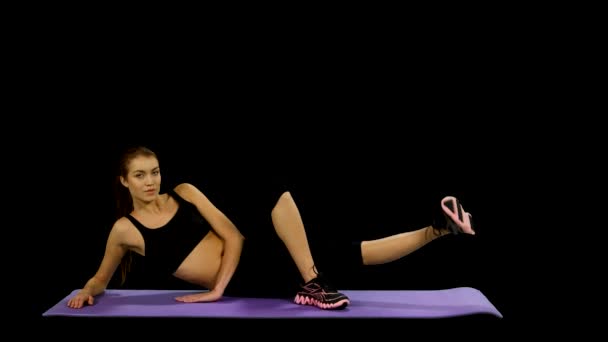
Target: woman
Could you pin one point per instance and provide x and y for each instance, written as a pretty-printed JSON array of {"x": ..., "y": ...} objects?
[{"x": 184, "y": 234}]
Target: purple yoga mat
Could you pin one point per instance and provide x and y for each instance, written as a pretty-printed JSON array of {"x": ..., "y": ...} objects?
[{"x": 453, "y": 302}]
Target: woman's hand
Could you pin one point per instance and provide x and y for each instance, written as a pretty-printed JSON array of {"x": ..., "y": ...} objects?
[
  {"x": 210, "y": 296},
  {"x": 80, "y": 299}
]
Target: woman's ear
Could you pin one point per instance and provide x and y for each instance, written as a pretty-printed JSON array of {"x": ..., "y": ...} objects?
[{"x": 123, "y": 182}]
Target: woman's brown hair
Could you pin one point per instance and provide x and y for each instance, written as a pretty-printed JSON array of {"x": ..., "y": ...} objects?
[{"x": 124, "y": 202}]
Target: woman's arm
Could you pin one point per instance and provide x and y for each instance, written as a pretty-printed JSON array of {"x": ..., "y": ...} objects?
[
  {"x": 225, "y": 229},
  {"x": 115, "y": 250}
]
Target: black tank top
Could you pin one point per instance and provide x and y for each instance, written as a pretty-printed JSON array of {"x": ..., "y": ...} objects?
[{"x": 167, "y": 247}]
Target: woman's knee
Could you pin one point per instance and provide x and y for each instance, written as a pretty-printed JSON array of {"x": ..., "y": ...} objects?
[{"x": 284, "y": 201}]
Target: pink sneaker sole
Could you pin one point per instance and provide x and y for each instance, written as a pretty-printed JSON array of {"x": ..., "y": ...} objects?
[
  {"x": 458, "y": 220},
  {"x": 306, "y": 300}
]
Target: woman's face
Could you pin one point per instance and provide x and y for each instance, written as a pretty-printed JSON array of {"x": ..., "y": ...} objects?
[{"x": 143, "y": 178}]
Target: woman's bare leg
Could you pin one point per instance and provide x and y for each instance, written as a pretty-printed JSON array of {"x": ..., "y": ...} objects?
[
  {"x": 290, "y": 229},
  {"x": 394, "y": 247},
  {"x": 391, "y": 248}
]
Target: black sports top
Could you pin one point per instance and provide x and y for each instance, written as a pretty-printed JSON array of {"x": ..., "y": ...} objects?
[{"x": 167, "y": 247}]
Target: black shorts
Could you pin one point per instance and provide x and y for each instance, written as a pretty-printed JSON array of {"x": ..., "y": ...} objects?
[{"x": 266, "y": 269}]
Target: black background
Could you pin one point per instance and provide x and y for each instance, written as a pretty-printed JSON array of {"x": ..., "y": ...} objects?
[
  {"x": 354, "y": 179},
  {"x": 368, "y": 143}
]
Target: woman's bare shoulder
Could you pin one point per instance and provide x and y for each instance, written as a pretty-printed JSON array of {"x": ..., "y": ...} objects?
[
  {"x": 122, "y": 226},
  {"x": 186, "y": 190}
]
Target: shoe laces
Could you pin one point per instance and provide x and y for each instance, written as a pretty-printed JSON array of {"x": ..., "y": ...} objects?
[{"x": 322, "y": 281}]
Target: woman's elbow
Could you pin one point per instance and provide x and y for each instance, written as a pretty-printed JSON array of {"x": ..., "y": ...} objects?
[
  {"x": 233, "y": 233},
  {"x": 240, "y": 238},
  {"x": 235, "y": 236}
]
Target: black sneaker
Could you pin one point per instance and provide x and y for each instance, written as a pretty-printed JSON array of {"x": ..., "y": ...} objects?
[{"x": 320, "y": 294}]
